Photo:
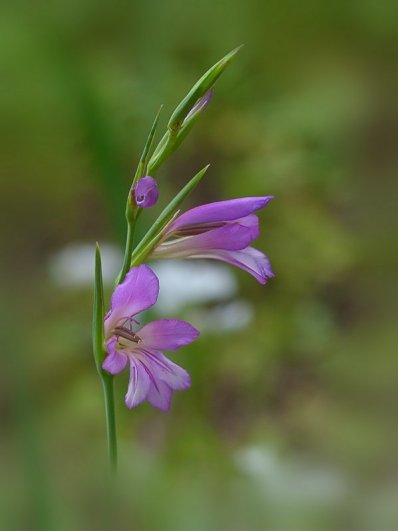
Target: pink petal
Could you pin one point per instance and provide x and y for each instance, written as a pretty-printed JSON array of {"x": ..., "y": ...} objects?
[
  {"x": 162, "y": 369},
  {"x": 250, "y": 259},
  {"x": 160, "y": 396},
  {"x": 139, "y": 384},
  {"x": 220, "y": 211},
  {"x": 251, "y": 222},
  {"x": 232, "y": 236},
  {"x": 116, "y": 361},
  {"x": 138, "y": 292},
  {"x": 167, "y": 334}
]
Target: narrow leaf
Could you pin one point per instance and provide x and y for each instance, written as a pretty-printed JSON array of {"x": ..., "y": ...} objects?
[
  {"x": 144, "y": 157},
  {"x": 156, "y": 231},
  {"x": 98, "y": 312}
]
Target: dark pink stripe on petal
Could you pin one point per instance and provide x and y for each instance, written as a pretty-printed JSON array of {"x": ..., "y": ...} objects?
[
  {"x": 163, "y": 369},
  {"x": 139, "y": 385},
  {"x": 160, "y": 397}
]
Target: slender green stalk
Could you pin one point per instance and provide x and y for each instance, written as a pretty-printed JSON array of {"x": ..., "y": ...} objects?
[
  {"x": 107, "y": 384},
  {"x": 128, "y": 251}
]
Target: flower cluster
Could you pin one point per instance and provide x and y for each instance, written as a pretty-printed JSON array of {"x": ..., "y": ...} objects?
[{"x": 224, "y": 231}]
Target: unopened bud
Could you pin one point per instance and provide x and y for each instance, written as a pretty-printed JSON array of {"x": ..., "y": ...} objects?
[
  {"x": 200, "y": 105},
  {"x": 146, "y": 192}
]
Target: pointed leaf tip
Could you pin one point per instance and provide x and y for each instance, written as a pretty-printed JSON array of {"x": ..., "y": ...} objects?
[
  {"x": 235, "y": 50},
  {"x": 199, "y": 89}
]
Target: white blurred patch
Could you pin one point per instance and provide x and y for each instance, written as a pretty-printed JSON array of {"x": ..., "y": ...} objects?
[
  {"x": 187, "y": 282},
  {"x": 229, "y": 317},
  {"x": 290, "y": 480},
  {"x": 181, "y": 282},
  {"x": 73, "y": 266}
]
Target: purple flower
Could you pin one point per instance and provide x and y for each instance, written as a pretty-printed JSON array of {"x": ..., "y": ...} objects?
[
  {"x": 223, "y": 231},
  {"x": 153, "y": 377},
  {"x": 146, "y": 192}
]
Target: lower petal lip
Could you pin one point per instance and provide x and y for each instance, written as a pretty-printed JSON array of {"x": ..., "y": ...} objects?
[{"x": 249, "y": 259}]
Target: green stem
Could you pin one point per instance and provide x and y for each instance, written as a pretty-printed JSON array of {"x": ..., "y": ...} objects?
[
  {"x": 107, "y": 383},
  {"x": 128, "y": 251},
  {"x": 99, "y": 355}
]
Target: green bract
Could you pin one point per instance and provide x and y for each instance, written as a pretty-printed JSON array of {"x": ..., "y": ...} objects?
[{"x": 176, "y": 129}]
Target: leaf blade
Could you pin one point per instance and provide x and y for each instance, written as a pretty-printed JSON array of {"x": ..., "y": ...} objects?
[
  {"x": 98, "y": 313},
  {"x": 155, "y": 232}
]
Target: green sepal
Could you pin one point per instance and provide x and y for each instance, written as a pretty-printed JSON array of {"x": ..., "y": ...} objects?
[
  {"x": 199, "y": 89},
  {"x": 98, "y": 313},
  {"x": 155, "y": 233}
]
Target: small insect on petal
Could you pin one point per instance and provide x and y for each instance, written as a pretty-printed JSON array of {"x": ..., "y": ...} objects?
[{"x": 146, "y": 192}]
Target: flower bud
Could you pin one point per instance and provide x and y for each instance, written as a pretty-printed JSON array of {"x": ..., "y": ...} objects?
[
  {"x": 146, "y": 192},
  {"x": 200, "y": 105}
]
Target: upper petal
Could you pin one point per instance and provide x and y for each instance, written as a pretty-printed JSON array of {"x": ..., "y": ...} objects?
[
  {"x": 138, "y": 292},
  {"x": 220, "y": 211},
  {"x": 167, "y": 334},
  {"x": 139, "y": 383}
]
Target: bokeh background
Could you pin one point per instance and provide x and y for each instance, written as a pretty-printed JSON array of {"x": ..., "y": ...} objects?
[{"x": 291, "y": 422}]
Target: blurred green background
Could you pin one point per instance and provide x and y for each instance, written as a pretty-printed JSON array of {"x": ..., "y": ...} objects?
[{"x": 291, "y": 422}]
